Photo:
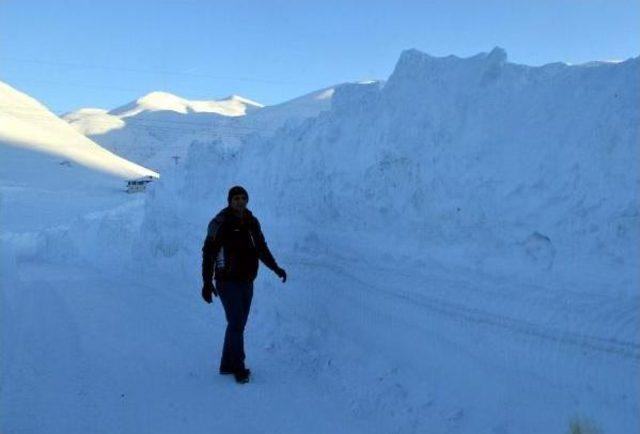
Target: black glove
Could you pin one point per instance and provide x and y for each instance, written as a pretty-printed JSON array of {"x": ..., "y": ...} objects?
[
  {"x": 281, "y": 274},
  {"x": 207, "y": 290}
]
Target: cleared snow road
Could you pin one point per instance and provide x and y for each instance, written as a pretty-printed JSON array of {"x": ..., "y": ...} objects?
[{"x": 346, "y": 345}]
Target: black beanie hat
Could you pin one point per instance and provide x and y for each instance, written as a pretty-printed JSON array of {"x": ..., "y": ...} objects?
[{"x": 236, "y": 190}]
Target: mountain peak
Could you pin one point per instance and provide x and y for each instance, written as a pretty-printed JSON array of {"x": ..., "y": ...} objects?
[
  {"x": 234, "y": 105},
  {"x": 152, "y": 101},
  {"x": 159, "y": 97}
]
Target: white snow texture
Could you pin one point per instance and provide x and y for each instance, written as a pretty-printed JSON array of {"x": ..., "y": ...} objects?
[{"x": 461, "y": 242}]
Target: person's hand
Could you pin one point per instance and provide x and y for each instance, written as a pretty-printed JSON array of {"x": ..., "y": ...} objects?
[
  {"x": 207, "y": 290},
  {"x": 281, "y": 274}
]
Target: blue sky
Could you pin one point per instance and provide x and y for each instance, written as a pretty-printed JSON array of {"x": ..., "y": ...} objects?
[{"x": 72, "y": 54}]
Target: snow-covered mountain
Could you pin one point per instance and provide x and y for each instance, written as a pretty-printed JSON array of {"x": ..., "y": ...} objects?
[
  {"x": 25, "y": 124},
  {"x": 159, "y": 126},
  {"x": 96, "y": 122},
  {"x": 234, "y": 105},
  {"x": 50, "y": 172},
  {"x": 267, "y": 121}
]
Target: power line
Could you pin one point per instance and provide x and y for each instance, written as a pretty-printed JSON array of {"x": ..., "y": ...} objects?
[
  {"x": 69, "y": 83},
  {"x": 110, "y": 87},
  {"x": 155, "y": 71}
]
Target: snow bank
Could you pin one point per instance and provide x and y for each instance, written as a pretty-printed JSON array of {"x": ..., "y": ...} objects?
[
  {"x": 101, "y": 238},
  {"x": 510, "y": 169},
  {"x": 483, "y": 164},
  {"x": 529, "y": 172}
]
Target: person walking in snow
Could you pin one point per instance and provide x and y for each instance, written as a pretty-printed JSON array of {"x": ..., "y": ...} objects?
[{"x": 231, "y": 250}]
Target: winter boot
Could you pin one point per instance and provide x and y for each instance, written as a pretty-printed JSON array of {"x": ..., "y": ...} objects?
[{"x": 242, "y": 375}]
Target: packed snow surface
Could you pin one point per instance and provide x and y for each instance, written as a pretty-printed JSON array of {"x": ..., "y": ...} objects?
[{"x": 461, "y": 245}]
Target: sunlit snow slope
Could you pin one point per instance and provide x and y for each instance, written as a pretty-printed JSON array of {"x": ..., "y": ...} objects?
[
  {"x": 48, "y": 171},
  {"x": 160, "y": 126},
  {"x": 27, "y": 124}
]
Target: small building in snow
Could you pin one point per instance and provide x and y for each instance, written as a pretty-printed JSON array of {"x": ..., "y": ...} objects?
[{"x": 139, "y": 184}]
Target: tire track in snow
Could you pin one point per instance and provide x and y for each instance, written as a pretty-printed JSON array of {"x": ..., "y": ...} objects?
[{"x": 461, "y": 312}]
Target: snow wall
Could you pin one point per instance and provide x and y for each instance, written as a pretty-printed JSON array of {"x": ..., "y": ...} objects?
[{"x": 528, "y": 172}]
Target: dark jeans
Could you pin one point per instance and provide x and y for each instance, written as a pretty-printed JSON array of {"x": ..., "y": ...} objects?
[{"x": 236, "y": 299}]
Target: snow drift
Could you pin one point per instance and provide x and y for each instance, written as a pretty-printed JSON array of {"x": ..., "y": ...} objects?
[{"x": 528, "y": 171}]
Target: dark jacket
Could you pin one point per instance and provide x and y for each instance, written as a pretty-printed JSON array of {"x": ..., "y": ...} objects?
[{"x": 234, "y": 246}]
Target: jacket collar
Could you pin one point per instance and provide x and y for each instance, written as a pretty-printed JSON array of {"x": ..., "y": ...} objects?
[{"x": 228, "y": 213}]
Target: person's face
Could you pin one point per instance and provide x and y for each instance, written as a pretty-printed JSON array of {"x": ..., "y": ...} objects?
[{"x": 239, "y": 202}]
